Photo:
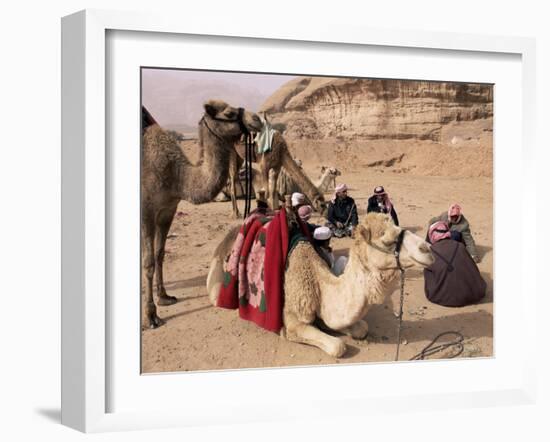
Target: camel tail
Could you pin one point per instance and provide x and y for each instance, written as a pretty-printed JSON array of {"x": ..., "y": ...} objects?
[
  {"x": 214, "y": 280},
  {"x": 298, "y": 175}
]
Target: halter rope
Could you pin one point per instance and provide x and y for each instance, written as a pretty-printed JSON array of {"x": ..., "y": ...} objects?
[
  {"x": 248, "y": 152},
  {"x": 429, "y": 349}
]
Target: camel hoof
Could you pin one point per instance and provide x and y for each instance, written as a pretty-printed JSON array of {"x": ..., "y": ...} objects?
[
  {"x": 359, "y": 330},
  {"x": 167, "y": 300},
  {"x": 155, "y": 322},
  {"x": 337, "y": 350}
]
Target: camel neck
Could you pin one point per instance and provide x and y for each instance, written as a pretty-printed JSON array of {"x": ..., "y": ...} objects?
[
  {"x": 347, "y": 298},
  {"x": 201, "y": 183},
  {"x": 323, "y": 181}
]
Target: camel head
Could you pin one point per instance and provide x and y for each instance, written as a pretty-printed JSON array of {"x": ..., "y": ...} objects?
[
  {"x": 223, "y": 119},
  {"x": 332, "y": 171},
  {"x": 376, "y": 238}
]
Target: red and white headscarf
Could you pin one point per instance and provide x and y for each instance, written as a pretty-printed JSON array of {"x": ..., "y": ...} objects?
[
  {"x": 305, "y": 212},
  {"x": 379, "y": 190},
  {"x": 438, "y": 231},
  {"x": 339, "y": 188},
  {"x": 454, "y": 210}
]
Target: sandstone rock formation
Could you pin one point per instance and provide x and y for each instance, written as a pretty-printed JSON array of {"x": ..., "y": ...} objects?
[
  {"x": 317, "y": 107},
  {"x": 374, "y": 121}
]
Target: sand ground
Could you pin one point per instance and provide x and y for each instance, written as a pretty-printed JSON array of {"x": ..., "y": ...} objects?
[{"x": 198, "y": 336}]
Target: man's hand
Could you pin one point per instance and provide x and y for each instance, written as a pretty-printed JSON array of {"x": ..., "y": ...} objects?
[{"x": 339, "y": 225}]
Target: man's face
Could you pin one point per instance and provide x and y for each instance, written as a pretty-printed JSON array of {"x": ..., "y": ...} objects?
[
  {"x": 342, "y": 194},
  {"x": 380, "y": 198}
]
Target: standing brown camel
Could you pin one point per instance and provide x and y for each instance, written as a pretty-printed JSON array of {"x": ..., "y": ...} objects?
[
  {"x": 167, "y": 177},
  {"x": 269, "y": 165}
]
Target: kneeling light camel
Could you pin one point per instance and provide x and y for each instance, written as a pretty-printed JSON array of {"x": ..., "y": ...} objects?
[{"x": 342, "y": 302}]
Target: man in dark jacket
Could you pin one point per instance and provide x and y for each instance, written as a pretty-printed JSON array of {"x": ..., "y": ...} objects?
[
  {"x": 453, "y": 280},
  {"x": 380, "y": 202},
  {"x": 342, "y": 212}
]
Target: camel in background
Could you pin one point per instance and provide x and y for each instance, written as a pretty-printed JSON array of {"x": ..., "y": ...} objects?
[
  {"x": 287, "y": 185},
  {"x": 266, "y": 173}
]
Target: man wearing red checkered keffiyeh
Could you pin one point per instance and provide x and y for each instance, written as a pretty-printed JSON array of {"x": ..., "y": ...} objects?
[{"x": 458, "y": 223}]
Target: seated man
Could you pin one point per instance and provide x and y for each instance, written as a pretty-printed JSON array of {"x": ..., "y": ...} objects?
[
  {"x": 459, "y": 228},
  {"x": 453, "y": 280},
  {"x": 321, "y": 242},
  {"x": 380, "y": 202},
  {"x": 298, "y": 200},
  {"x": 342, "y": 212},
  {"x": 305, "y": 212}
]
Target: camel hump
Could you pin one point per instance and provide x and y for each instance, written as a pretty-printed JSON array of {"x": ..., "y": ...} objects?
[
  {"x": 302, "y": 292},
  {"x": 146, "y": 118}
]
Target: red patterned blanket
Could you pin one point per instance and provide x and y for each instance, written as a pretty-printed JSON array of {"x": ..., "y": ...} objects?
[{"x": 254, "y": 271}]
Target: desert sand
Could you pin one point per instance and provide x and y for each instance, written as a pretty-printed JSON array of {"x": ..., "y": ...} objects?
[{"x": 423, "y": 179}]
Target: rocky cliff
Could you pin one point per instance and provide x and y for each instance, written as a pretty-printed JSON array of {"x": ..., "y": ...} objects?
[{"x": 355, "y": 109}]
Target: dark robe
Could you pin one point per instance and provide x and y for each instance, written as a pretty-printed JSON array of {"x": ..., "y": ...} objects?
[{"x": 453, "y": 280}]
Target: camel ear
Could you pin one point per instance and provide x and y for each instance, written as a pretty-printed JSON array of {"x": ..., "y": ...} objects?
[
  {"x": 210, "y": 108},
  {"x": 323, "y": 168},
  {"x": 363, "y": 232}
]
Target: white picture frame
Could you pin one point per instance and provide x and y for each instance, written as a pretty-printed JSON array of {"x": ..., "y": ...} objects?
[{"x": 85, "y": 214}]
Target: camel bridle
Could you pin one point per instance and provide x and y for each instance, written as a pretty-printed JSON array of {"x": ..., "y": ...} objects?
[
  {"x": 238, "y": 119},
  {"x": 396, "y": 252},
  {"x": 249, "y": 143},
  {"x": 431, "y": 348}
]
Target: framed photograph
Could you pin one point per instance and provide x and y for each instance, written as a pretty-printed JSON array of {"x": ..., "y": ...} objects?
[{"x": 166, "y": 130}]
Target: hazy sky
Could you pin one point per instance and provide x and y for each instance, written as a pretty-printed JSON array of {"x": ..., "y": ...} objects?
[{"x": 175, "y": 97}]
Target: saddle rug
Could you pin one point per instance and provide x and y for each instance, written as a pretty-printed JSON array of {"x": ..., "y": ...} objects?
[{"x": 254, "y": 270}]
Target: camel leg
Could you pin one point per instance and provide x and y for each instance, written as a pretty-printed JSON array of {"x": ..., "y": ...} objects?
[
  {"x": 272, "y": 185},
  {"x": 297, "y": 331},
  {"x": 264, "y": 173},
  {"x": 359, "y": 330},
  {"x": 235, "y": 214},
  {"x": 151, "y": 318},
  {"x": 164, "y": 221}
]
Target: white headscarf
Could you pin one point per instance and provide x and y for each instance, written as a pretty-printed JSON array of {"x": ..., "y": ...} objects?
[
  {"x": 298, "y": 198},
  {"x": 322, "y": 233}
]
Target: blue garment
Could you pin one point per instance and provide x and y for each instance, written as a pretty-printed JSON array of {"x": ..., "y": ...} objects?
[{"x": 264, "y": 139}]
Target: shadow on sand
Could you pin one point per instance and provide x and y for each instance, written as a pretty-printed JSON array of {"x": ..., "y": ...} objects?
[
  {"x": 483, "y": 250},
  {"x": 187, "y": 312},
  {"x": 382, "y": 322},
  {"x": 186, "y": 283}
]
